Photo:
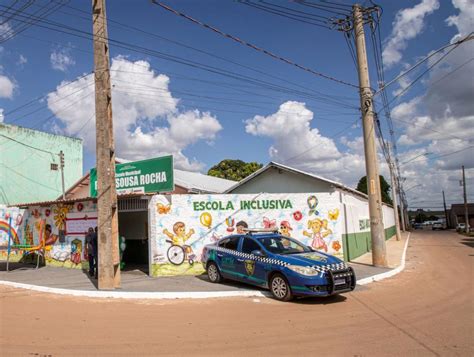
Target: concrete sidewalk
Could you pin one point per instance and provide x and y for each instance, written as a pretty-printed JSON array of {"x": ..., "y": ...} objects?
[
  {"x": 75, "y": 280},
  {"x": 394, "y": 253}
]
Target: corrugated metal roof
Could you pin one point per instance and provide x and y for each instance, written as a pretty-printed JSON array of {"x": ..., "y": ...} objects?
[
  {"x": 195, "y": 181},
  {"x": 291, "y": 169},
  {"x": 74, "y": 200}
]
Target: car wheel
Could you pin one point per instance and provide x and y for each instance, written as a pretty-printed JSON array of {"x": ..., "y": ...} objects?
[
  {"x": 213, "y": 273},
  {"x": 280, "y": 288}
]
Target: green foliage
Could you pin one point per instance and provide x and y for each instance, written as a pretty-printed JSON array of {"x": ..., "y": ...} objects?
[
  {"x": 384, "y": 187},
  {"x": 234, "y": 170}
]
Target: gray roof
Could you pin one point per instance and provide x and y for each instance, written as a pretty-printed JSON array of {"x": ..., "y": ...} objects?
[
  {"x": 198, "y": 182},
  {"x": 291, "y": 169}
]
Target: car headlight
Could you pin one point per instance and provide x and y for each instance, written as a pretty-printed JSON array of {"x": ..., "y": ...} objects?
[{"x": 308, "y": 271}]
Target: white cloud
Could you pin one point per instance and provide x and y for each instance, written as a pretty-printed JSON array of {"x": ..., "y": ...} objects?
[
  {"x": 464, "y": 21},
  {"x": 61, "y": 59},
  {"x": 407, "y": 25},
  {"x": 297, "y": 144},
  {"x": 440, "y": 123},
  {"x": 5, "y": 30},
  {"x": 6, "y": 87},
  {"x": 2, "y": 117},
  {"x": 22, "y": 60},
  {"x": 147, "y": 122}
]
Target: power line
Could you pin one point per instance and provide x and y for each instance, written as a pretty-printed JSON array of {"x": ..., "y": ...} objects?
[
  {"x": 31, "y": 147},
  {"x": 330, "y": 137},
  {"x": 242, "y": 42},
  {"x": 457, "y": 43},
  {"x": 120, "y": 44},
  {"x": 286, "y": 14},
  {"x": 118, "y": 24}
]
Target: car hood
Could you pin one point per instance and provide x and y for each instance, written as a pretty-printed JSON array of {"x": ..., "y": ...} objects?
[{"x": 310, "y": 259}]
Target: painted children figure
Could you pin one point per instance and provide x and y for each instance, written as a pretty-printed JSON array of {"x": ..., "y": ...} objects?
[
  {"x": 241, "y": 227},
  {"x": 180, "y": 237},
  {"x": 285, "y": 228},
  {"x": 318, "y": 242}
]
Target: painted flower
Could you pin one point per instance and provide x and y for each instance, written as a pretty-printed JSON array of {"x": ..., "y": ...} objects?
[
  {"x": 80, "y": 206},
  {"x": 336, "y": 246},
  {"x": 47, "y": 212},
  {"x": 297, "y": 216}
]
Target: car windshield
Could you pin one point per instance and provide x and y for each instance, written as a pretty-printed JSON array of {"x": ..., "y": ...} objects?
[{"x": 283, "y": 245}]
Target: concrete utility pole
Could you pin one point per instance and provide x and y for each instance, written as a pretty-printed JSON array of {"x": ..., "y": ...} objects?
[
  {"x": 107, "y": 239},
  {"x": 373, "y": 179},
  {"x": 466, "y": 210},
  {"x": 61, "y": 165},
  {"x": 445, "y": 210},
  {"x": 402, "y": 206},
  {"x": 394, "y": 199}
]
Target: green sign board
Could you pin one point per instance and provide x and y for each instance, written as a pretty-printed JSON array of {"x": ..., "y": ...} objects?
[{"x": 147, "y": 176}]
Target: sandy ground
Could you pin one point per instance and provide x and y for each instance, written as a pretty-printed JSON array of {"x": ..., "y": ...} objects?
[{"x": 426, "y": 310}]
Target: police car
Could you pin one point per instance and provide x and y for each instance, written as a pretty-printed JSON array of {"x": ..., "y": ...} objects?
[{"x": 279, "y": 263}]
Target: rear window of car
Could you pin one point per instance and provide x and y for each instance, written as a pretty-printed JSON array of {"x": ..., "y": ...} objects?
[{"x": 230, "y": 243}]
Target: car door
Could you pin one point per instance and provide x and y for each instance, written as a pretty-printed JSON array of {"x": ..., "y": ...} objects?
[
  {"x": 248, "y": 265},
  {"x": 226, "y": 257}
]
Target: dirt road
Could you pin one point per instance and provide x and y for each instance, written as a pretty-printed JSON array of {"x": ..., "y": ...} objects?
[{"x": 426, "y": 310}]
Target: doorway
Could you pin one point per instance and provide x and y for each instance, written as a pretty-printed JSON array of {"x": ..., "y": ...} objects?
[{"x": 133, "y": 228}]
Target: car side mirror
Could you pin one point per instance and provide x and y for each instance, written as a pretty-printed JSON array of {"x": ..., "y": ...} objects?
[{"x": 258, "y": 253}]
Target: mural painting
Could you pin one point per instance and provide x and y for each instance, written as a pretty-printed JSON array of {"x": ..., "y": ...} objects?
[
  {"x": 64, "y": 228},
  {"x": 11, "y": 219},
  {"x": 181, "y": 228}
]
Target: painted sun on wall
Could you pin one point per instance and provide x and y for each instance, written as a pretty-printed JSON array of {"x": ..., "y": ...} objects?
[{"x": 180, "y": 229}]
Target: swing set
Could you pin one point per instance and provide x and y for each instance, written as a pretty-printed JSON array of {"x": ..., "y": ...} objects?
[{"x": 22, "y": 245}]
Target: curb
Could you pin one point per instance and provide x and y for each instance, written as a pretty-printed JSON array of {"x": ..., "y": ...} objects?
[
  {"x": 390, "y": 273},
  {"x": 185, "y": 295}
]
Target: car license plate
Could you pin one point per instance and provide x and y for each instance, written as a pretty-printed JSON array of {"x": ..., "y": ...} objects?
[{"x": 339, "y": 281}]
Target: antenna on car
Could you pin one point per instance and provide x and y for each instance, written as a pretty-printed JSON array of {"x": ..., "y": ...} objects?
[{"x": 260, "y": 230}]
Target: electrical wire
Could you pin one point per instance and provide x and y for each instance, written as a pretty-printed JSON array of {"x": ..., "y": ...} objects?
[
  {"x": 118, "y": 24},
  {"x": 259, "y": 49},
  {"x": 312, "y": 147},
  {"x": 176, "y": 59}
]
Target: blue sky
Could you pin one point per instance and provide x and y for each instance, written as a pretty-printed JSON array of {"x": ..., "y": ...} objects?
[{"x": 202, "y": 117}]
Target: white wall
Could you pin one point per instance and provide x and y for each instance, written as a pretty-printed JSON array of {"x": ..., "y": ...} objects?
[{"x": 275, "y": 180}]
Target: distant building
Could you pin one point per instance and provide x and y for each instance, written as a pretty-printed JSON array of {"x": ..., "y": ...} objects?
[
  {"x": 30, "y": 167},
  {"x": 457, "y": 214}
]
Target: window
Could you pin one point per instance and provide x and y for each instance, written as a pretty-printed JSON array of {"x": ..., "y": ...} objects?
[
  {"x": 230, "y": 243},
  {"x": 250, "y": 245}
]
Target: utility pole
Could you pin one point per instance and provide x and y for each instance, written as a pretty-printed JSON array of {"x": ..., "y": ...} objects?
[
  {"x": 445, "y": 210},
  {"x": 466, "y": 211},
  {"x": 373, "y": 179},
  {"x": 61, "y": 166},
  {"x": 394, "y": 199},
  {"x": 107, "y": 238},
  {"x": 402, "y": 206}
]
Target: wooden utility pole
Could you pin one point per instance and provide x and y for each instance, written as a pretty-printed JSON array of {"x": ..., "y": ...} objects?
[
  {"x": 373, "y": 179},
  {"x": 466, "y": 210},
  {"x": 61, "y": 166},
  {"x": 445, "y": 210},
  {"x": 107, "y": 238}
]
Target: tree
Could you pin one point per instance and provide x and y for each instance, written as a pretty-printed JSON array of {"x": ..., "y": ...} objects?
[
  {"x": 234, "y": 170},
  {"x": 384, "y": 187}
]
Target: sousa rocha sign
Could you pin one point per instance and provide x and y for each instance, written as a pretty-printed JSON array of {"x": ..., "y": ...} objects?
[{"x": 147, "y": 176}]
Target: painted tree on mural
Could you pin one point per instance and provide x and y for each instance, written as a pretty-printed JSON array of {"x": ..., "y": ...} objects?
[
  {"x": 234, "y": 170},
  {"x": 384, "y": 187}
]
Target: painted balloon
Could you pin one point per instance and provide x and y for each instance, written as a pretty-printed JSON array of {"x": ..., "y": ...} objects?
[{"x": 206, "y": 219}]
